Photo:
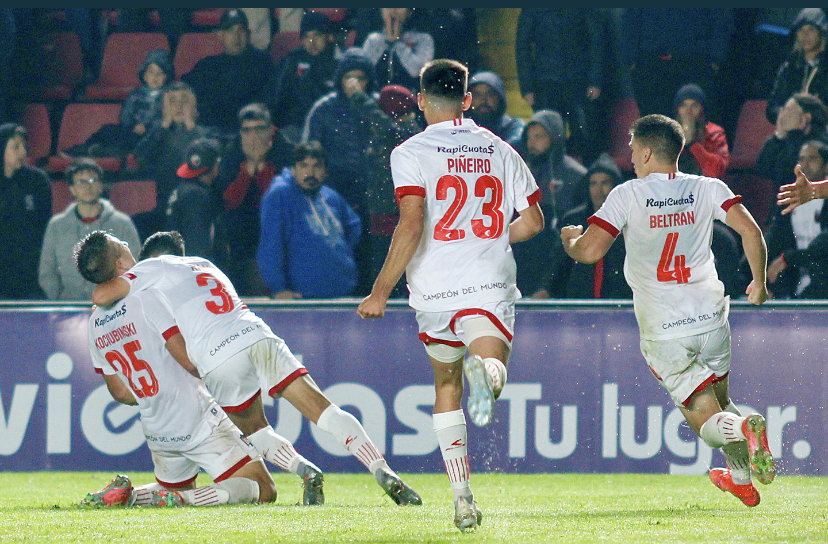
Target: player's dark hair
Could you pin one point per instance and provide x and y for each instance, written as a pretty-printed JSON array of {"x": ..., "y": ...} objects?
[
  {"x": 821, "y": 148},
  {"x": 661, "y": 134},
  {"x": 303, "y": 150},
  {"x": 162, "y": 243},
  {"x": 813, "y": 105},
  {"x": 444, "y": 78},
  {"x": 95, "y": 257}
]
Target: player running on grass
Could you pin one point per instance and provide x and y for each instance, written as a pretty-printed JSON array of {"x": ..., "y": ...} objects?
[
  {"x": 235, "y": 352},
  {"x": 131, "y": 345},
  {"x": 667, "y": 220},
  {"x": 458, "y": 186}
]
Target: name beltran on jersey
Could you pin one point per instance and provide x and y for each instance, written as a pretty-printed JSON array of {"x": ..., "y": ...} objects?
[{"x": 662, "y": 221}]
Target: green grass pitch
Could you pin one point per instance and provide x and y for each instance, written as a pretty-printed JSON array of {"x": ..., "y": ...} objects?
[{"x": 526, "y": 508}]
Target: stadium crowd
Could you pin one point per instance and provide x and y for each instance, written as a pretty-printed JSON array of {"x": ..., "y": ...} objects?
[{"x": 346, "y": 85}]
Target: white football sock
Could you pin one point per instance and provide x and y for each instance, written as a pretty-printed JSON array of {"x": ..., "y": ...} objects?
[
  {"x": 143, "y": 493},
  {"x": 349, "y": 432},
  {"x": 450, "y": 428},
  {"x": 722, "y": 428},
  {"x": 279, "y": 451},
  {"x": 229, "y": 491}
]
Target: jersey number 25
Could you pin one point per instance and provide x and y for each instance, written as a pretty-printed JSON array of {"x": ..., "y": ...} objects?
[{"x": 491, "y": 207}]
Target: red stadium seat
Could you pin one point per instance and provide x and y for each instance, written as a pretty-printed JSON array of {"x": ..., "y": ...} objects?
[
  {"x": 123, "y": 55},
  {"x": 752, "y": 130},
  {"x": 282, "y": 43},
  {"x": 624, "y": 114},
  {"x": 35, "y": 120},
  {"x": 334, "y": 14},
  {"x": 208, "y": 17},
  {"x": 79, "y": 121},
  {"x": 61, "y": 197},
  {"x": 192, "y": 47},
  {"x": 133, "y": 196},
  {"x": 63, "y": 69}
]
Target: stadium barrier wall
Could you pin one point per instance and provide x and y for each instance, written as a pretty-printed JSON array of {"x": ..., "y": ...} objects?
[{"x": 580, "y": 397}]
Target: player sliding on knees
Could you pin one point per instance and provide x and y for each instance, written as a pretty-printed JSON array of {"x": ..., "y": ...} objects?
[
  {"x": 235, "y": 352},
  {"x": 452, "y": 241},
  {"x": 667, "y": 217}
]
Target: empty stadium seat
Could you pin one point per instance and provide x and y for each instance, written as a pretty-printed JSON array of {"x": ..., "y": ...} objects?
[
  {"x": 192, "y": 47},
  {"x": 282, "y": 43},
  {"x": 133, "y": 196},
  {"x": 35, "y": 119},
  {"x": 63, "y": 66},
  {"x": 79, "y": 121},
  {"x": 752, "y": 130},
  {"x": 208, "y": 17},
  {"x": 334, "y": 14},
  {"x": 123, "y": 54},
  {"x": 624, "y": 114}
]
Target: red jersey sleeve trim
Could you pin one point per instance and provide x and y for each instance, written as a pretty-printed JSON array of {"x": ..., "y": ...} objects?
[
  {"x": 99, "y": 370},
  {"x": 727, "y": 204},
  {"x": 604, "y": 224},
  {"x": 534, "y": 198},
  {"x": 129, "y": 275},
  {"x": 243, "y": 406},
  {"x": 279, "y": 387},
  {"x": 169, "y": 333},
  {"x": 400, "y": 192}
]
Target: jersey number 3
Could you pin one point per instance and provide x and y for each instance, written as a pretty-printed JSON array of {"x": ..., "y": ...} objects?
[
  {"x": 680, "y": 272},
  {"x": 225, "y": 300},
  {"x": 491, "y": 207}
]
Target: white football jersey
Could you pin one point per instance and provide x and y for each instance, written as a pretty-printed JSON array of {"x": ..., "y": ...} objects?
[
  {"x": 667, "y": 222},
  {"x": 472, "y": 182},
  {"x": 214, "y": 322},
  {"x": 129, "y": 339}
]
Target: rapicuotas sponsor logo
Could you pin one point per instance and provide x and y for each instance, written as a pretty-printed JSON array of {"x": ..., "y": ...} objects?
[
  {"x": 489, "y": 149},
  {"x": 653, "y": 203},
  {"x": 101, "y": 321}
]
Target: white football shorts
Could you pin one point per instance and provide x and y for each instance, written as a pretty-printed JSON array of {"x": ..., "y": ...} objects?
[
  {"x": 444, "y": 327},
  {"x": 689, "y": 364},
  {"x": 267, "y": 365}
]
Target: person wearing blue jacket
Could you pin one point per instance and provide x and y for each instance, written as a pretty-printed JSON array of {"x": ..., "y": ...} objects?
[{"x": 308, "y": 232}]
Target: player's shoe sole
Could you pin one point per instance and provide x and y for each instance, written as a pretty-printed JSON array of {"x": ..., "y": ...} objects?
[
  {"x": 467, "y": 516},
  {"x": 723, "y": 479},
  {"x": 481, "y": 397},
  {"x": 399, "y": 492},
  {"x": 761, "y": 460},
  {"x": 166, "y": 498},
  {"x": 313, "y": 493},
  {"x": 117, "y": 493}
]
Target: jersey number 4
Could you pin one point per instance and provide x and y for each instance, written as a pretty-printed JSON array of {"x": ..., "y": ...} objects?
[
  {"x": 680, "y": 272},
  {"x": 491, "y": 207},
  {"x": 137, "y": 371}
]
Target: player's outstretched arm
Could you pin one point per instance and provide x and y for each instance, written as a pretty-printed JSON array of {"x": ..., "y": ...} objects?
[
  {"x": 753, "y": 242},
  {"x": 119, "y": 390},
  {"x": 800, "y": 191},
  {"x": 529, "y": 224},
  {"x": 109, "y": 291},
  {"x": 404, "y": 244},
  {"x": 589, "y": 247}
]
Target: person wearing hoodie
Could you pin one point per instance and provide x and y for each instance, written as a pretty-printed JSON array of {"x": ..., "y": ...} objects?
[
  {"x": 566, "y": 278},
  {"x": 340, "y": 122},
  {"x": 25, "y": 209},
  {"x": 488, "y": 107},
  {"x": 805, "y": 70},
  {"x": 58, "y": 274},
  {"x": 705, "y": 150},
  {"x": 398, "y": 52},
  {"x": 542, "y": 144}
]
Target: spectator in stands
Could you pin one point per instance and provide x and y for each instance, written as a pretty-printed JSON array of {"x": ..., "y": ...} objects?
[
  {"x": 798, "y": 241},
  {"x": 161, "y": 151},
  {"x": 566, "y": 278},
  {"x": 705, "y": 150},
  {"x": 303, "y": 76},
  {"x": 194, "y": 206},
  {"x": 803, "y": 118},
  {"x": 392, "y": 122},
  {"x": 141, "y": 110},
  {"x": 488, "y": 108},
  {"x": 58, "y": 274},
  {"x": 309, "y": 232},
  {"x": 560, "y": 65},
  {"x": 542, "y": 145},
  {"x": 454, "y": 31},
  {"x": 248, "y": 166},
  {"x": 805, "y": 70},
  {"x": 339, "y": 121},
  {"x": 25, "y": 209},
  {"x": 226, "y": 82},
  {"x": 398, "y": 52}
]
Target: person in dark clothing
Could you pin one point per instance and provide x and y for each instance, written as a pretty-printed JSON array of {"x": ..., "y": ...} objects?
[
  {"x": 25, "y": 210},
  {"x": 303, "y": 76},
  {"x": 194, "y": 205},
  {"x": 605, "y": 279},
  {"x": 806, "y": 68},
  {"x": 226, "y": 82},
  {"x": 488, "y": 108}
]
